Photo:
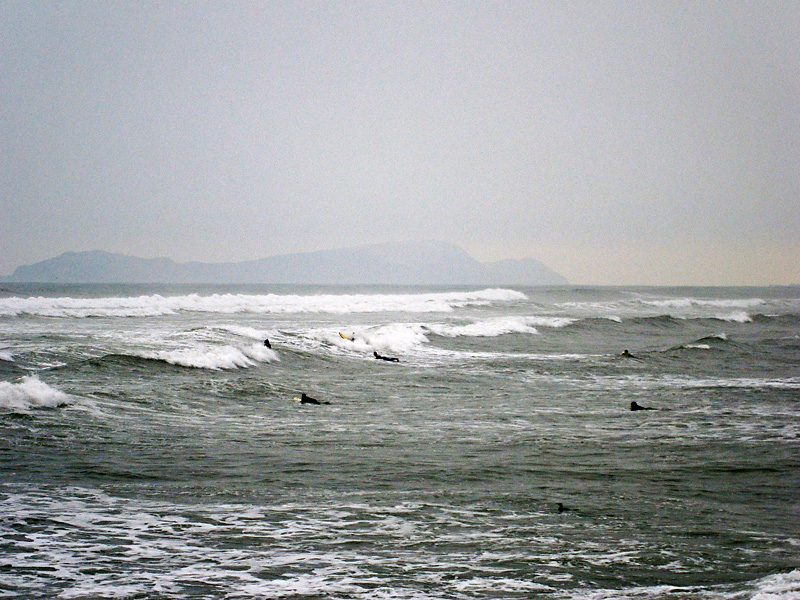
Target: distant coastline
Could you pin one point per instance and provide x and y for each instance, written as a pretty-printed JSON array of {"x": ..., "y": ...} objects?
[{"x": 421, "y": 263}]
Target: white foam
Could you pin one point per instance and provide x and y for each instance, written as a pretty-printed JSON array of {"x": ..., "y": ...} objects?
[
  {"x": 704, "y": 303},
  {"x": 488, "y": 328},
  {"x": 91, "y": 589},
  {"x": 502, "y": 584},
  {"x": 261, "y": 353},
  {"x": 686, "y": 307},
  {"x": 243, "y": 331},
  {"x": 96, "y": 545},
  {"x": 405, "y": 337},
  {"x": 395, "y": 337},
  {"x": 681, "y": 382},
  {"x": 215, "y": 358},
  {"x": 398, "y": 337},
  {"x": 791, "y": 383},
  {"x": 499, "y": 326},
  {"x": 783, "y": 586},
  {"x": 6, "y": 355},
  {"x": 157, "y": 305},
  {"x": 31, "y": 393},
  {"x": 554, "y": 322},
  {"x": 736, "y": 317}
]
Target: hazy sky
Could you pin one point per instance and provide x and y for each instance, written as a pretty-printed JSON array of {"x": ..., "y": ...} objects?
[{"x": 617, "y": 142}]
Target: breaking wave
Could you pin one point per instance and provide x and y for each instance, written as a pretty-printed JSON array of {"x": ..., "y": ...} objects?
[
  {"x": 682, "y": 303},
  {"x": 244, "y": 331},
  {"x": 402, "y": 337},
  {"x": 717, "y": 341},
  {"x": 499, "y": 326},
  {"x": 738, "y": 310},
  {"x": 735, "y": 317},
  {"x": 670, "y": 320},
  {"x": 29, "y": 394},
  {"x": 157, "y": 305},
  {"x": 217, "y": 358}
]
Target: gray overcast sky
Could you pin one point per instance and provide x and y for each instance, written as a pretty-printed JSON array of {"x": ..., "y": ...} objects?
[{"x": 617, "y": 142}]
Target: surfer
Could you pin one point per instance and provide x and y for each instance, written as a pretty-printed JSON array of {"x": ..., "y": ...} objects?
[
  {"x": 635, "y": 407},
  {"x": 267, "y": 344},
  {"x": 305, "y": 399},
  {"x": 626, "y": 354},
  {"x": 386, "y": 358},
  {"x": 562, "y": 508}
]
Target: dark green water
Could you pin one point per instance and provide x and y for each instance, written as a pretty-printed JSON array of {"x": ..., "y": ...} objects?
[{"x": 151, "y": 446}]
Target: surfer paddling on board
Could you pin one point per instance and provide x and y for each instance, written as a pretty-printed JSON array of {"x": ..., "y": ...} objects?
[
  {"x": 305, "y": 399},
  {"x": 635, "y": 407},
  {"x": 627, "y": 354},
  {"x": 386, "y": 358}
]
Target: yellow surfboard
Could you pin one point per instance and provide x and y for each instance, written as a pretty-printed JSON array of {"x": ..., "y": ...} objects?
[{"x": 347, "y": 337}]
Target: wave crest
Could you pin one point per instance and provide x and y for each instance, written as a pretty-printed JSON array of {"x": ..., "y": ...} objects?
[
  {"x": 499, "y": 326},
  {"x": 218, "y": 358},
  {"x": 698, "y": 302},
  {"x": 31, "y": 393},
  {"x": 157, "y": 305},
  {"x": 736, "y": 317}
]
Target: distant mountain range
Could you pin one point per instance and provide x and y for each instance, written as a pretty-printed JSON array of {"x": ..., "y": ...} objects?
[{"x": 427, "y": 263}]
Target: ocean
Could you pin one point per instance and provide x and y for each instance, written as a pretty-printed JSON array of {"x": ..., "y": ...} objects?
[{"x": 152, "y": 446}]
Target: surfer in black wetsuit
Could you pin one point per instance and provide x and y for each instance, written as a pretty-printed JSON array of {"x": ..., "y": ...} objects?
[
  {"x": 626, "y": 354},
  {"x": 304, "y": 399},
  {"x": 386, "y": 358},
  {"x": 267, "y": 344},
  {"x": 635, "y": 407},
  {"x": 562, "y": 508}
]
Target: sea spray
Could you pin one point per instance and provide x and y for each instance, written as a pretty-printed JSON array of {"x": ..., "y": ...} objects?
[{"x": 30, "y": 393}]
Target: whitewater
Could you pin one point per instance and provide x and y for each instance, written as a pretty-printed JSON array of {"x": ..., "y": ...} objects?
[{"x": 152, "y": 446}]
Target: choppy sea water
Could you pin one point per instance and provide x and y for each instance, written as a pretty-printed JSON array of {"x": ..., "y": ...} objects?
[{"x": 151, "y": 445}]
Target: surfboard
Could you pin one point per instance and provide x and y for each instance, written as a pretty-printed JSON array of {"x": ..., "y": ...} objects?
[{"x": 347, "y": 337}]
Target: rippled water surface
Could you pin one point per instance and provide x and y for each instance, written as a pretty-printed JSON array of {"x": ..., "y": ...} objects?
[{"x": 152, "y": 446}]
